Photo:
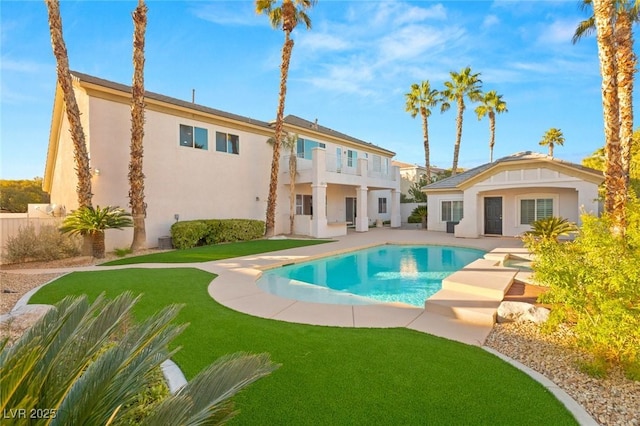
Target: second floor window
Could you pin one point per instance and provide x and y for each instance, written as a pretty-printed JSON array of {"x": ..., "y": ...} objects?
[
  {"x": 226, "y": 142},
  {"x": 194, "y": 137}
]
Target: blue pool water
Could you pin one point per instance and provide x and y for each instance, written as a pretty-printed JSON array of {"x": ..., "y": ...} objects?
[{"x": 383, "y": 274}]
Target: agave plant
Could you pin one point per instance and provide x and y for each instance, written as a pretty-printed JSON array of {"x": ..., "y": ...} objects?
[
  {"x": 85, "y": 363},
  {"x": 93, "y": 222},
  {"x": 551, "y": 228}
]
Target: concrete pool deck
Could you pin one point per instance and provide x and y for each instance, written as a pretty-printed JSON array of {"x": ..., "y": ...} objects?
[{"x": 236, "y": 287}]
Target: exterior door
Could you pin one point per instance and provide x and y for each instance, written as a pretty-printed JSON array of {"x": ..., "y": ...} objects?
[
  {"x": 350, "y": 208},
  {"x": 493, "y": 215}
]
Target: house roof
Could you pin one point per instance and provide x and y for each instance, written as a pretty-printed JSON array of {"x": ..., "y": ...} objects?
[
  {"x": 458, "y": 181},
  {"x": 314, "y": 126},
  {"x": 404, "y": 165},
  {"x": 81, "y": 77}
]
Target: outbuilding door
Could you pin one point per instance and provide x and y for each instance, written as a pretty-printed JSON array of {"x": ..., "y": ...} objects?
[{"x": 493, "y": 215}]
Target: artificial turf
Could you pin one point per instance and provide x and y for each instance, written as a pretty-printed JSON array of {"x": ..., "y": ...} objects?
[
  {"x": 330, "y": 375},
  {"x": 215, "y": 252}
]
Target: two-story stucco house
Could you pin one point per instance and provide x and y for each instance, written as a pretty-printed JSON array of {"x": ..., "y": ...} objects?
[
  {"x": 506, "y": 196},
  {"x": 201, "y": 162}
]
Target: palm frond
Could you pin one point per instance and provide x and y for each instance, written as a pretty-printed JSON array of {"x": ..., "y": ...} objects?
[{"x": 208, "y": 393}]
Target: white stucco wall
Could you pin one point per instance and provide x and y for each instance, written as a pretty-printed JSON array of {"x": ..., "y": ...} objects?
[
  {"x": 193, "y": 183},
  {"x": 571, "y": 195}
]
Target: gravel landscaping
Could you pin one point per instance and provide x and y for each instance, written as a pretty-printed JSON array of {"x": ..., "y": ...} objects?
[{"x": 614, "y": 400}]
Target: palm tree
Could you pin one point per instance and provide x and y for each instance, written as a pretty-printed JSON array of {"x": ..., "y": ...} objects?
[
  {"x": 92, "y": 222},
  {"x": 136, "y": 175},
  {"x": 614, "y": 176},
  {"x": 290, "y": 143},
  {"x": 626, "y": 14},
  {"x": 81, "y": 156},
  {"x": 613, "y": 24},
  {"x": 288, "y": 15},
  {"x": 89, "y": 363},
  {"x": 491, "y": 104},
  {"x": 462, "y": 84},
  {"x": 421, "y": 99},
  {"x": 551, "y": 138}
]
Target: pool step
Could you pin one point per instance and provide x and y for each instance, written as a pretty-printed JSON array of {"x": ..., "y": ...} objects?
[
  {"x": 493, "y": 283},
  {"x": 474, "y": 293},
  {"x": 464, "y": 306}
]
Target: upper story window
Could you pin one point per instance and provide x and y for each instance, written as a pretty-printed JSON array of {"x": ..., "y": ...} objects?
[
  {"x": 194, "y": 137},
  {"x": 226, "y": 142},
  {"x": 304, "y": 147},
  {"x": 352, "y": 158}
]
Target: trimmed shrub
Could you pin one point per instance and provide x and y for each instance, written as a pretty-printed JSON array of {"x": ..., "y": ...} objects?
[
  {"x": 188, "y": 234},
  {"x": 230, "y": 230},
  {"x": 213, "y": 231},
  {"x": 48, "y": 244}
]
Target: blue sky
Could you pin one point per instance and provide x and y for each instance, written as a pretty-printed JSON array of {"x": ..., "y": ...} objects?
[{"x": 350, "y": 71}]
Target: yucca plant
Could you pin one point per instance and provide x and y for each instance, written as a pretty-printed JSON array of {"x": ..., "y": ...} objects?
[
  {"x": 551, "y": 228},
  {"x": 85, "y": 363},
  {"x": 93, "y": 222}
]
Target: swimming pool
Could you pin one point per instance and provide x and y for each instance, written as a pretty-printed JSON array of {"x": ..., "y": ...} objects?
[{"x": 382, "y": 274}]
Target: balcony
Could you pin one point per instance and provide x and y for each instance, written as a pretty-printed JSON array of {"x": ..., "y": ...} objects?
[{"x": 334, "y": 169}]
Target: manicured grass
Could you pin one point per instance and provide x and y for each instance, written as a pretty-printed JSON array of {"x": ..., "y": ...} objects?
[
  {"x": 216, "y": 252},
  {"x": 330, "y": 375}
]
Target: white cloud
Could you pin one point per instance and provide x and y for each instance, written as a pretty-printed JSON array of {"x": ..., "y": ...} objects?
[
  {"x": 321, "y": 41},
  {"x": 8, "y": 64},
  {"x": 558, "y": 32},
  {"x": 242, "y": 14},
  {"x": 490, "y": 21}
]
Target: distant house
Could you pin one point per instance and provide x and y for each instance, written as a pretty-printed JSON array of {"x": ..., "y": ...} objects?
[
  {"x": 200, "y": 162},
  {"x": 506, "y": 196},
  {"x": 411, "y": 174}
]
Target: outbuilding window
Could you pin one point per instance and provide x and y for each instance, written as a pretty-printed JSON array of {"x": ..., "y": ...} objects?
[{"x": 535, "y": 209}]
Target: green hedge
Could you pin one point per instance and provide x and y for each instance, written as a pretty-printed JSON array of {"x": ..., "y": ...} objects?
[{"x": 192, "y": 233}]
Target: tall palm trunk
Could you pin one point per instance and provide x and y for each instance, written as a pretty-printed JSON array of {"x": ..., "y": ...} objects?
[
  {"x": 456, "y": 147},
  {"x": 287, "y": 48},
  {"x": 615, "y": 181},
  {"x": 293, "y": 170},
  {"x": 626, "y": 62},
  {"x": 81, "y": 156},
  {"x": 425, "y": 132},
  {"x": 492, "y": 134},
  {"x": 136, "y": 175}
]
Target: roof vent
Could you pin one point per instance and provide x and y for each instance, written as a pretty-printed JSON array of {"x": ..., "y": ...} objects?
[{"x": 315, "y": 124}]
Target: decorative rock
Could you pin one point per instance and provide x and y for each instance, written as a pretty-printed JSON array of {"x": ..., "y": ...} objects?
[
  {"x": 13, "y": 324},
  {"x": 521, "y": 312}
]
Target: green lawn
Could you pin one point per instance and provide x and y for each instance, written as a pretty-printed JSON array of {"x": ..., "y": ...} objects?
[
  {"x": 216, "y": 252},
  {"x": 331, "y": 375}
]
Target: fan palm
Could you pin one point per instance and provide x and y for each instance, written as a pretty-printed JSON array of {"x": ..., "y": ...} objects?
[
  {"x": 87, "y": 364},
  {"x": 551, "y": 138},
  {"x": 136, "y": 175},
  {"x": 290, "y": 143},
  {"x": 287, "y": 16},
  {"x": 421, "y": 99},
  {"x": 491, "y": 104},
  {"x": 93, "y": 222},
  {"x": 613, "y": 24},
  {"x": 462, "y": 84},
  {"x": 81, "y": 156}
]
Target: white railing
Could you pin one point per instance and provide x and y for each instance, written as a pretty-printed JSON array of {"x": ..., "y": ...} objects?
[{"x": 341, "y": 164}]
